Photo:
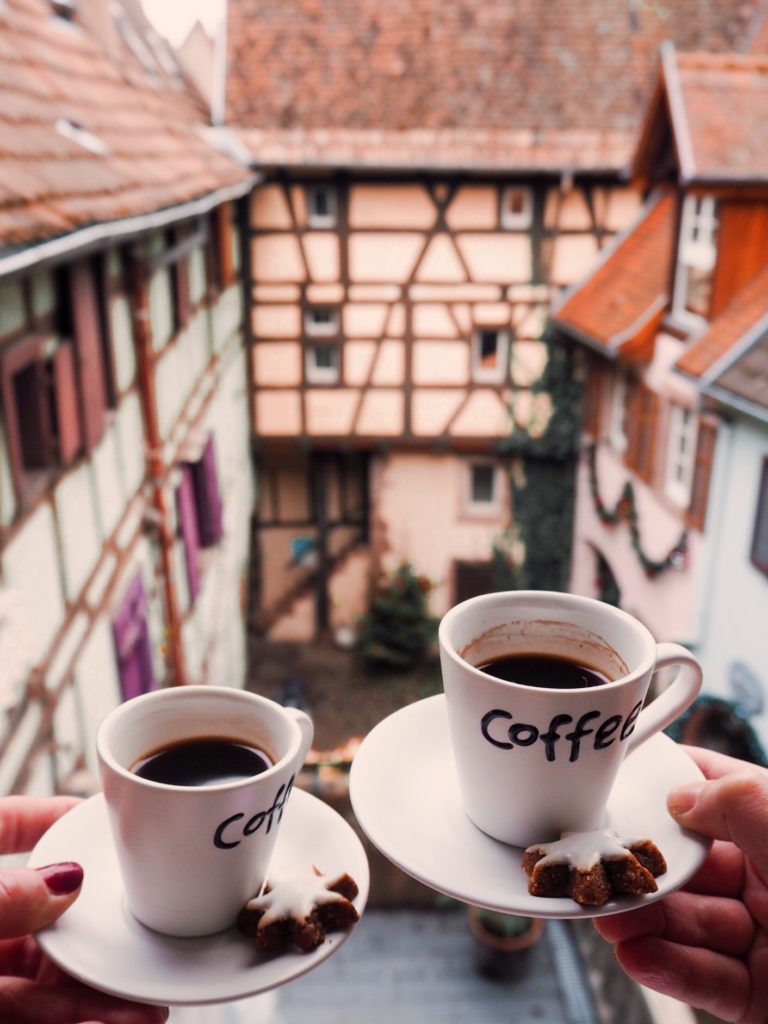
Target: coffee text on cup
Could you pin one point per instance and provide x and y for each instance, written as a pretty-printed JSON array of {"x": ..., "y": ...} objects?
[
  {"x": 230, "y": 832},
  {"x": 499, "y": 728}
]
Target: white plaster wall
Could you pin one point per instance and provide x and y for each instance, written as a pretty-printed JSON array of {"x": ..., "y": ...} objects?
[
  {"x": 665, "y": 603},
  {"x": 97, "y": 684},
  {"x": 122, "y": 342},
  {"x": 7, "y": 497},
  {"x": 420, "y": 503},
  {"x": 733, "y": 605},
  {"x": 79, "y": 531},
  {"x": 30, "y": 567}
]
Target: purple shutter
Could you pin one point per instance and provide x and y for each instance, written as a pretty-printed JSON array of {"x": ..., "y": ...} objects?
[
  {"x": 131, "y": 636},
  {"x": 208, "y": 497},
  {"x": 188, "y": 528}
]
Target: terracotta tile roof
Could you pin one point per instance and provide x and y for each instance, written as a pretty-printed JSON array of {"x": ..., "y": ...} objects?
[
  {"x": 87, "y": 136},
  {"x": 746, "y": 378},
  {"x": 626, "y": 295},
  {"x": 582, "y": 66},
  {"x": 472, "y": 149},
  {"x": 721, "y": 120},
  {"x": 737, "y": 321}
]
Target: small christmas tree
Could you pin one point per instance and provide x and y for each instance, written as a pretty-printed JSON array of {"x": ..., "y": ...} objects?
[{"x": 398, "y": 630}]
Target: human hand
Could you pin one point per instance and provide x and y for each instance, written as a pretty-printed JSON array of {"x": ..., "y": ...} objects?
[
  {"x": 32, "y": 989},
  {"x": 707, "y": 945}
]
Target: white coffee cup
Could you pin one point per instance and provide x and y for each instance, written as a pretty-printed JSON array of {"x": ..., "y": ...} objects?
[
  {"x": 191, "y": 856},
  {"x": 532, "y": 761}
]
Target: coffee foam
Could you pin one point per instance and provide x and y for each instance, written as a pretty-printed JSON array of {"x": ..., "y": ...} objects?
[{"x": 547, "y": 637}]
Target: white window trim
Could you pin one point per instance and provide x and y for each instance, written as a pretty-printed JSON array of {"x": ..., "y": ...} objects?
[
  {"x": 681, "y": 455},
  {"x": 321, "y": 330},
  {"x": 496, "y": 374},
  {"x": 516, "y": 220},
  {"x": 322, "y": 220},
  {"x": 321, "y": 374},
  {"x": 697, "y": 250},
  {"x": 483, "y": 508},
  {"x": 616, "y": 433}
]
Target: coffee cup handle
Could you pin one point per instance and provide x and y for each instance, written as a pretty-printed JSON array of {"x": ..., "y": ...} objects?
[
  {"x": 307, "y": 727},
  {"x": 675, "y": 699}
]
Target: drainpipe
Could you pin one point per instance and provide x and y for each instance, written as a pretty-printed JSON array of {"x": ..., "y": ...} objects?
[{"x": 142, "y": 332}]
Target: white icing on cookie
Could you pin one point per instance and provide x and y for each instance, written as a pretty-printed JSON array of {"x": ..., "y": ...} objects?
[
  {"x": 295, "y": 896},
  {"x": 583, "y": 850}
]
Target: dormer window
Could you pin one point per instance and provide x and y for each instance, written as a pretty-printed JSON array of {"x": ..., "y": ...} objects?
[
  {"x": 321, "y": 321},
  {"x": 77, "y": 133},
  {"x": 696, "y": 258},
  {"x": 490, "y": 355},
  {"x": 321, "y": 206},
  {"x": 516, "y": 207}
]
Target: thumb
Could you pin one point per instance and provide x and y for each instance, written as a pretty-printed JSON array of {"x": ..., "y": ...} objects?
[
  {"x": 733, "y": 807},
  {"x": 31, "y": 898}
]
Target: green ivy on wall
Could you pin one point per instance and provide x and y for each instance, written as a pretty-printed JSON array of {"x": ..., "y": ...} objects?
[{"x": 535, "y": 553}]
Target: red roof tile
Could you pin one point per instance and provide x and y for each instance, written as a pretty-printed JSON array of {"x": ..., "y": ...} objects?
[
  {"x": 724, "y": 121},
  {"x": 728, "y": 331},
  {"x": 629, "y": 290},
  {"x": 451, "y": 66},
  {"x": 146, "y": 151}
]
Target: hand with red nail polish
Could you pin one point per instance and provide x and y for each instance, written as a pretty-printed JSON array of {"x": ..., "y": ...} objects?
[
  {"x": 707, "y": 945},
  {"x": 32, "y": 989}
]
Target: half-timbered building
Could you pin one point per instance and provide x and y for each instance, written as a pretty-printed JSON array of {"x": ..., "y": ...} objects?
[
  {"x": 125, "y": 487},
  {"x": 434, "y": 174},
  {"x": 670, "y": 519}
]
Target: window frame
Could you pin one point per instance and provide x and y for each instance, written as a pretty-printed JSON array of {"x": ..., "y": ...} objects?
[
  {"x": 511, "y": 220},
  {"x": 474, "y": 507},
  {"x": 315, "y": 374},
  {"x": 498, "y": 374},
  {"x": 322, "y": 220},
  {"x": 699, "y": 218},
  {"x": 314, "y": 329},
  {"x": 679, "y": 464},
  {"x": 757, "y": 556}
]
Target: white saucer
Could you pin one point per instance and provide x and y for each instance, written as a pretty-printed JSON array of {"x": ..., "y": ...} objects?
[
  {"x": 405, "y": 796},
  {"x": 99, "y": 942}
]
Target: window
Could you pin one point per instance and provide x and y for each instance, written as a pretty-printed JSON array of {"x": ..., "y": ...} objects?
[
  {"x": 516, "y": 207},
  {"x": 177, "y": 255},
  {"x": 220, "y": 248},
  {"x": 490, "y": 355},
  {"x": 642, "y": 413},
  {"x": 130, "y": 632},
  {"x": 321, "y": 321},
  {"x": 696, "y": 258},
  {"x": 322, "y": 364},
  {"x": 483, "y": 489},
  {"x": 759, "y": 554},
  {"x": 321, "y": 206},
  {"x": 39, "y": 393},
  {"x": 200, "y": 512},
  {"x": 680, "y": 455},
  {"x": 702, "y": 471}
]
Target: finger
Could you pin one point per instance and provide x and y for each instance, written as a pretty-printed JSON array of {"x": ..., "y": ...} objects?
[
  {"x": 721, "y": 874},
  {"x": 713, "y": 764},
  {"x": 721, "y": 925},
  {"x": 31, "y": 898},
  {"x": 25, "y": 1002},
  {"x": 708, "y": 981},
  {"x": 24, "y": 819},
  {"x": 733, "y": 807}
]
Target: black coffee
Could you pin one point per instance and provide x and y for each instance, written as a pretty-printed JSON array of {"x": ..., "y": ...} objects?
[
  {"x": 208, "y": 761},
  {"x": 544, "y": 670}
]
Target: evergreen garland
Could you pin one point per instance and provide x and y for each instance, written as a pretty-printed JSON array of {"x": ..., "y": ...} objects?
[{"x": 625, "y": 510}]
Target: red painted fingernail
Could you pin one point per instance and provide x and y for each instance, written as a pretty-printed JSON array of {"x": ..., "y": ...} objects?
[{"x": 62, "y": 879}]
